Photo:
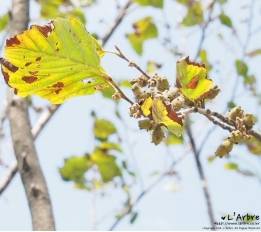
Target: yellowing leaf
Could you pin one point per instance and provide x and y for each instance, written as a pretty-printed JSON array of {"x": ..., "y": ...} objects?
[
  {"x": 254, "y": 53},
  {"x": 57, "y": 61},
  {"x": 144, "y": 30},
  {"x": 146, "y": 106},
  {"x": 191, "y": 79},
  {"x": 162, "y": 114}
]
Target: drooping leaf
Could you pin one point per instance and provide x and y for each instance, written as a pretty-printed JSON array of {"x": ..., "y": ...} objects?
[
  {"x": 57, "y": 61},
  {"x": 103, "y": 129},
  {"x": 191, "y": 79},
  {"x": 155, "y": 3},
  {"x": 106, "y": 164},
  {"x": 194, "y": 14},
  {"x": 254, "y": 53},
  {"x": 4, "y": 21},
  {"x": 162, "y": 114},
  {"x": 242, "y": 68},
  {"x": 75, "y": 167},
  {"x": 225, "y": 20},
  {"x": 144, "y": 29}
]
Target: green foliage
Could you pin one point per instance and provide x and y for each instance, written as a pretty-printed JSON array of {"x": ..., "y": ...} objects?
[
  {"x": 75, "y": 167},
  {"x": 106, "y": 163},
  {"x": 134, "y": 216},
  {"x": 144, "y": 29},
  {"x": 242, "y": 70},
  {"x": 4, "y": 20},
  {"x": 155, "y": 3},
  {"x": 194, "y": 14},
  {"x": 103, "y": 129},
  {"x": 224, "y": 19},
  {"x": 231, "y": 166}
]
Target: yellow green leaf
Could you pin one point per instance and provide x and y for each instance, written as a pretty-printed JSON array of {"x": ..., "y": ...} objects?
[
  {"x": 231, "y": 166},
  {"x": 254, "y": 146},
  {"x": 191, "y": 79},
  {"x": 106, "y": 164},
  {"x": 164, "y": 114},
  {"x": 224, "y": 19},
  {"x": 110, "y": 146},
  {"x": 194, "y": 14},
  {"x": 254, "y": 53},
  {"x": 74, "y": 168},
  {"x": 103, "y": 129},
  {"x": 155, "y": 3},
  {"x": 4, "y": 21},
  {"x": 144, "y": 29},
  {"x": 152, "y": 66},
  {"x": 57, "y": 61}
]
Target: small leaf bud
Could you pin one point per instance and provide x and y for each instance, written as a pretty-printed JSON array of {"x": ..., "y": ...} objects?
[
  {"x": 138, "y": 91},
  {"x": 234, "y": 113},
  {"x": 236, "y": 136},
  {"x": 224, "y": 149},
  {"x": 173, "y": 93},
  {"x": 248, "y": 121},
  {"x": 162, "y": 84},
  {"x": 157, "y": 136},
  {"x": 178, "y": 103}
]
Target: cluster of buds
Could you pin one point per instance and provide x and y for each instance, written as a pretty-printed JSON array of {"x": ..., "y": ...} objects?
[
  {"x": 154, "y": 87},
  {"x": 243, "y": 123}
]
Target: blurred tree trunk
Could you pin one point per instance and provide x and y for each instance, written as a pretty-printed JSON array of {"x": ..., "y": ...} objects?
[{"x": 23, "y": 141}]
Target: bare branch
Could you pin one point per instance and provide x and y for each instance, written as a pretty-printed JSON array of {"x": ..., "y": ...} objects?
[
  {"x": 117, "y": 22},
  {"x": 201, "y": 173},
  {"x": 9, "y": 176},
  {"x": 43, "y": 120},
  {"x": 3, "y": 116},
  {"x": 127, "y": 209},
  {"x": 131, "y": 63}
]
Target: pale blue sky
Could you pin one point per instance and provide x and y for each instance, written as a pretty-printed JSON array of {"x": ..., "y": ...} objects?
[{"x": 69, "y": 133}]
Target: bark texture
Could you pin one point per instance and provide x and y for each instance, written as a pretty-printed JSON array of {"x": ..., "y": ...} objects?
[{"x": 23, "y": 141}]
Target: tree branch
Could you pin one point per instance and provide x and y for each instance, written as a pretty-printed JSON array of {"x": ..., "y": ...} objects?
[
  {"x": 23, "y": 141},
  {"x": 117, "y": 22},
  {"x": 9, "y": 176},
  {"x": 201, "y": 173},
  {"x": 127, "y": 209}
]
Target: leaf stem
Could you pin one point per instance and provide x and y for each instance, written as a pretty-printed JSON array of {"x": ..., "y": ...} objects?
[{"x": 131, "y": 63}]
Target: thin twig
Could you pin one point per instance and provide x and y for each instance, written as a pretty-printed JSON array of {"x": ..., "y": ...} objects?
[
  {"x": 9, "y": 176},
  {"x": 3, "y": 116},
  {"x": 131, "y": 63},
  {"x": 201, "y": 173},
  {"x": 117, "y": 22},
  {"x": 224, "y": 123},
  {"x": 203, "y": 35},
  {"x": 127, "y": 209}
]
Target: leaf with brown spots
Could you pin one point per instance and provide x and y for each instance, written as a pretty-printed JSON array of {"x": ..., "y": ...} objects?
[
  {"x": 55, "y": 61},
  {"x": 191, "y": 79}
]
